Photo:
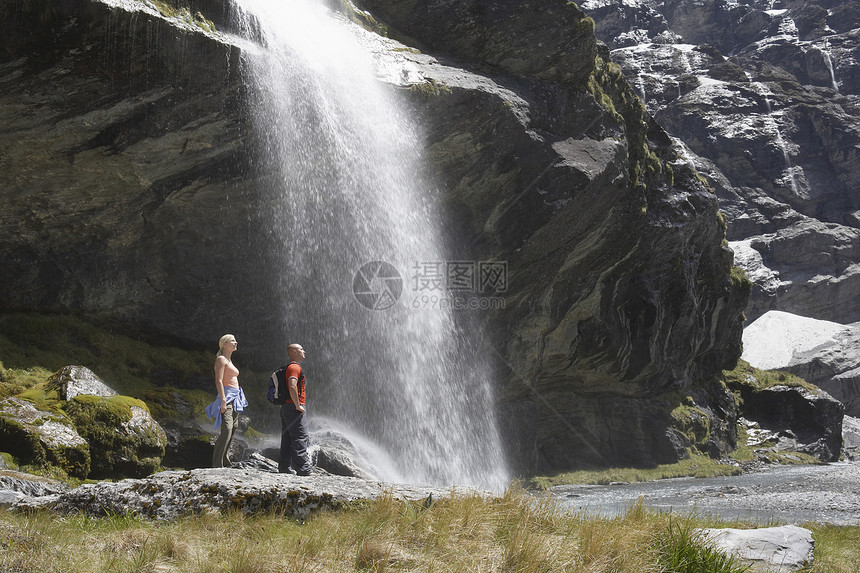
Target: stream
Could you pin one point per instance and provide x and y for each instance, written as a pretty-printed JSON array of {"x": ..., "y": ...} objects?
[{"x": 773, "y": 495}]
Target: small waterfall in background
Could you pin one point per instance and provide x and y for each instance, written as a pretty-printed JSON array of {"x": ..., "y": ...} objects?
[{"x": 344, "y": 159}]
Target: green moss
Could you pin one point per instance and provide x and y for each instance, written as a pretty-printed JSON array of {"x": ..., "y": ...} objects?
[
  {"x": 747, "y": 375},
  {"x": 9, "y": 460},
  {"x": 169, "y": 403},
  {"x": 696, "y": 465},
  {"x": 114, "y": 453},
  {"x": 14, "y": 381},
  {"x": 430, "y": 89},
  {"x": 49, "y": 342},
  {"x": 740, "y": 281},
  {"x": 693, "y": 423},
  {"x": 21, "y": 443},
  {"x": 610, "y": 89}
]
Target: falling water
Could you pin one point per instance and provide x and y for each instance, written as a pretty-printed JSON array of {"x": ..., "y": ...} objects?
[
  {"x": 344, "y": 159},
  {"x": 771, "y": 122},
  {"x": 828, "y": 61}
]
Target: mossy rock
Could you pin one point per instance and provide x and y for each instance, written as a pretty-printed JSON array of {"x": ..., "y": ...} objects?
[
  {"x": 41, "y": 438},
  {"x": 125, "y": 440}
]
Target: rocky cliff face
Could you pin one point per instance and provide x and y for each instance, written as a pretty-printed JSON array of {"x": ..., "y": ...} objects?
[
  {"x": 128, "y": 165},
  {"x": 765, "y": 97}
]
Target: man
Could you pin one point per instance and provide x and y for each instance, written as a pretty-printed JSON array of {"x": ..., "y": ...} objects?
[{"x": 294, "y": 425}]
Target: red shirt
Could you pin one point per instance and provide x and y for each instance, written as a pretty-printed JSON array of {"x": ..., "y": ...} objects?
[{"x": 295, "y": 371}]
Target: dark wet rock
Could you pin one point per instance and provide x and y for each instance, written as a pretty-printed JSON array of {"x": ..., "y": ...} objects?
[
  {"x": 71, "y": 381},
  {"x": 169, "y": 495},
  {"x": 500, "y": 34},
  {"x": 36, "y": 437},
  {"x": 823, "y": 353},
  {"x": 797, "y": 418}
]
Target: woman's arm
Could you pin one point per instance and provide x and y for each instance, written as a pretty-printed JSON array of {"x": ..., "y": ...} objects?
[{"x": 220, "y": 364}]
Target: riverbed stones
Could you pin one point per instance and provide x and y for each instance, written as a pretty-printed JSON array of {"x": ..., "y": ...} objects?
[{"x": 769, "y": 549}]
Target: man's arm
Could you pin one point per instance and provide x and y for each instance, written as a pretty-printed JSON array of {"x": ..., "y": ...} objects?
[{"x": 294, "y": 393}]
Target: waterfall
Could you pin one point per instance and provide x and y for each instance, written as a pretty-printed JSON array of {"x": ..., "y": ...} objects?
[
  {"x": 828, "y": 61},
  {"x": 771, "y": 122},
  {"x": 356, "y": 222}
]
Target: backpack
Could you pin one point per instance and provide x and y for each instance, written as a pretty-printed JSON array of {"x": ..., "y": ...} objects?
[{"x": 278, "y": 392}]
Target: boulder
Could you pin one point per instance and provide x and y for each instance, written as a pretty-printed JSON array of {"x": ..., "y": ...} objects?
[
  {"x": 769, "y": 549},
  {"x": 36, "y": 437},
  {"x": 821, "y": 352},
  {"x": 800, "y": 419},
  {"x": 31, "y": 485},
  {"x": 337, "y": 462},
  {"x": 851, "y": 437},
  {"x": 124, "y": 438},
  {"x": 172, "y": 494},
  {"x": 71, "y": 381}
]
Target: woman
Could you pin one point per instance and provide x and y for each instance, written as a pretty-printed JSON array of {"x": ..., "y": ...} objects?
[{"x": 230, "y": 401}]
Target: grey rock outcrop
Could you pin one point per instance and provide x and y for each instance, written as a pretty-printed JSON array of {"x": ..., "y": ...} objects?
[
  {"x": 765, "y": 97},
  {"x": 71, "y": 381},
  {"x": 35, "y": 436},
  {"x": 851, "y": 437},
  {"x": 172, "y": 494},
  {"x": 769, "y": 549},
  {"x": 31, "y": 485},
  {"x": 603, "y": 319},
  {"x": 823, "y": 353},
  {"x": 799, "y": 419},
  {"x": 133, "y": 129}
]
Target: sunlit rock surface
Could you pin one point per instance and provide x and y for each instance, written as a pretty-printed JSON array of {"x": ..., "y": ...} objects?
[
  {"x": 774, "y": 549},
  {"x": 823, "y": 353},
  {"x": 71, "y": 381},
  {"x": 169, "y": 495}
]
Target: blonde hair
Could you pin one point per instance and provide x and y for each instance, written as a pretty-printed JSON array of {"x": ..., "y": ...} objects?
[{"x": 224, "y": 340}]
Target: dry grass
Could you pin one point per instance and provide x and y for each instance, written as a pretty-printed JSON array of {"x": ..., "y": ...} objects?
[{"x": 514, "y": 534}]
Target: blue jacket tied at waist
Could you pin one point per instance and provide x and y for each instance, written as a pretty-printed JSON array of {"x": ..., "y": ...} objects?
[{"x": 231, "y": 394}]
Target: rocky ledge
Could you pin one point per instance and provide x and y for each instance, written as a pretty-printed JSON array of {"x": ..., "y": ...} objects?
[{"x": 172, "y": 494}]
